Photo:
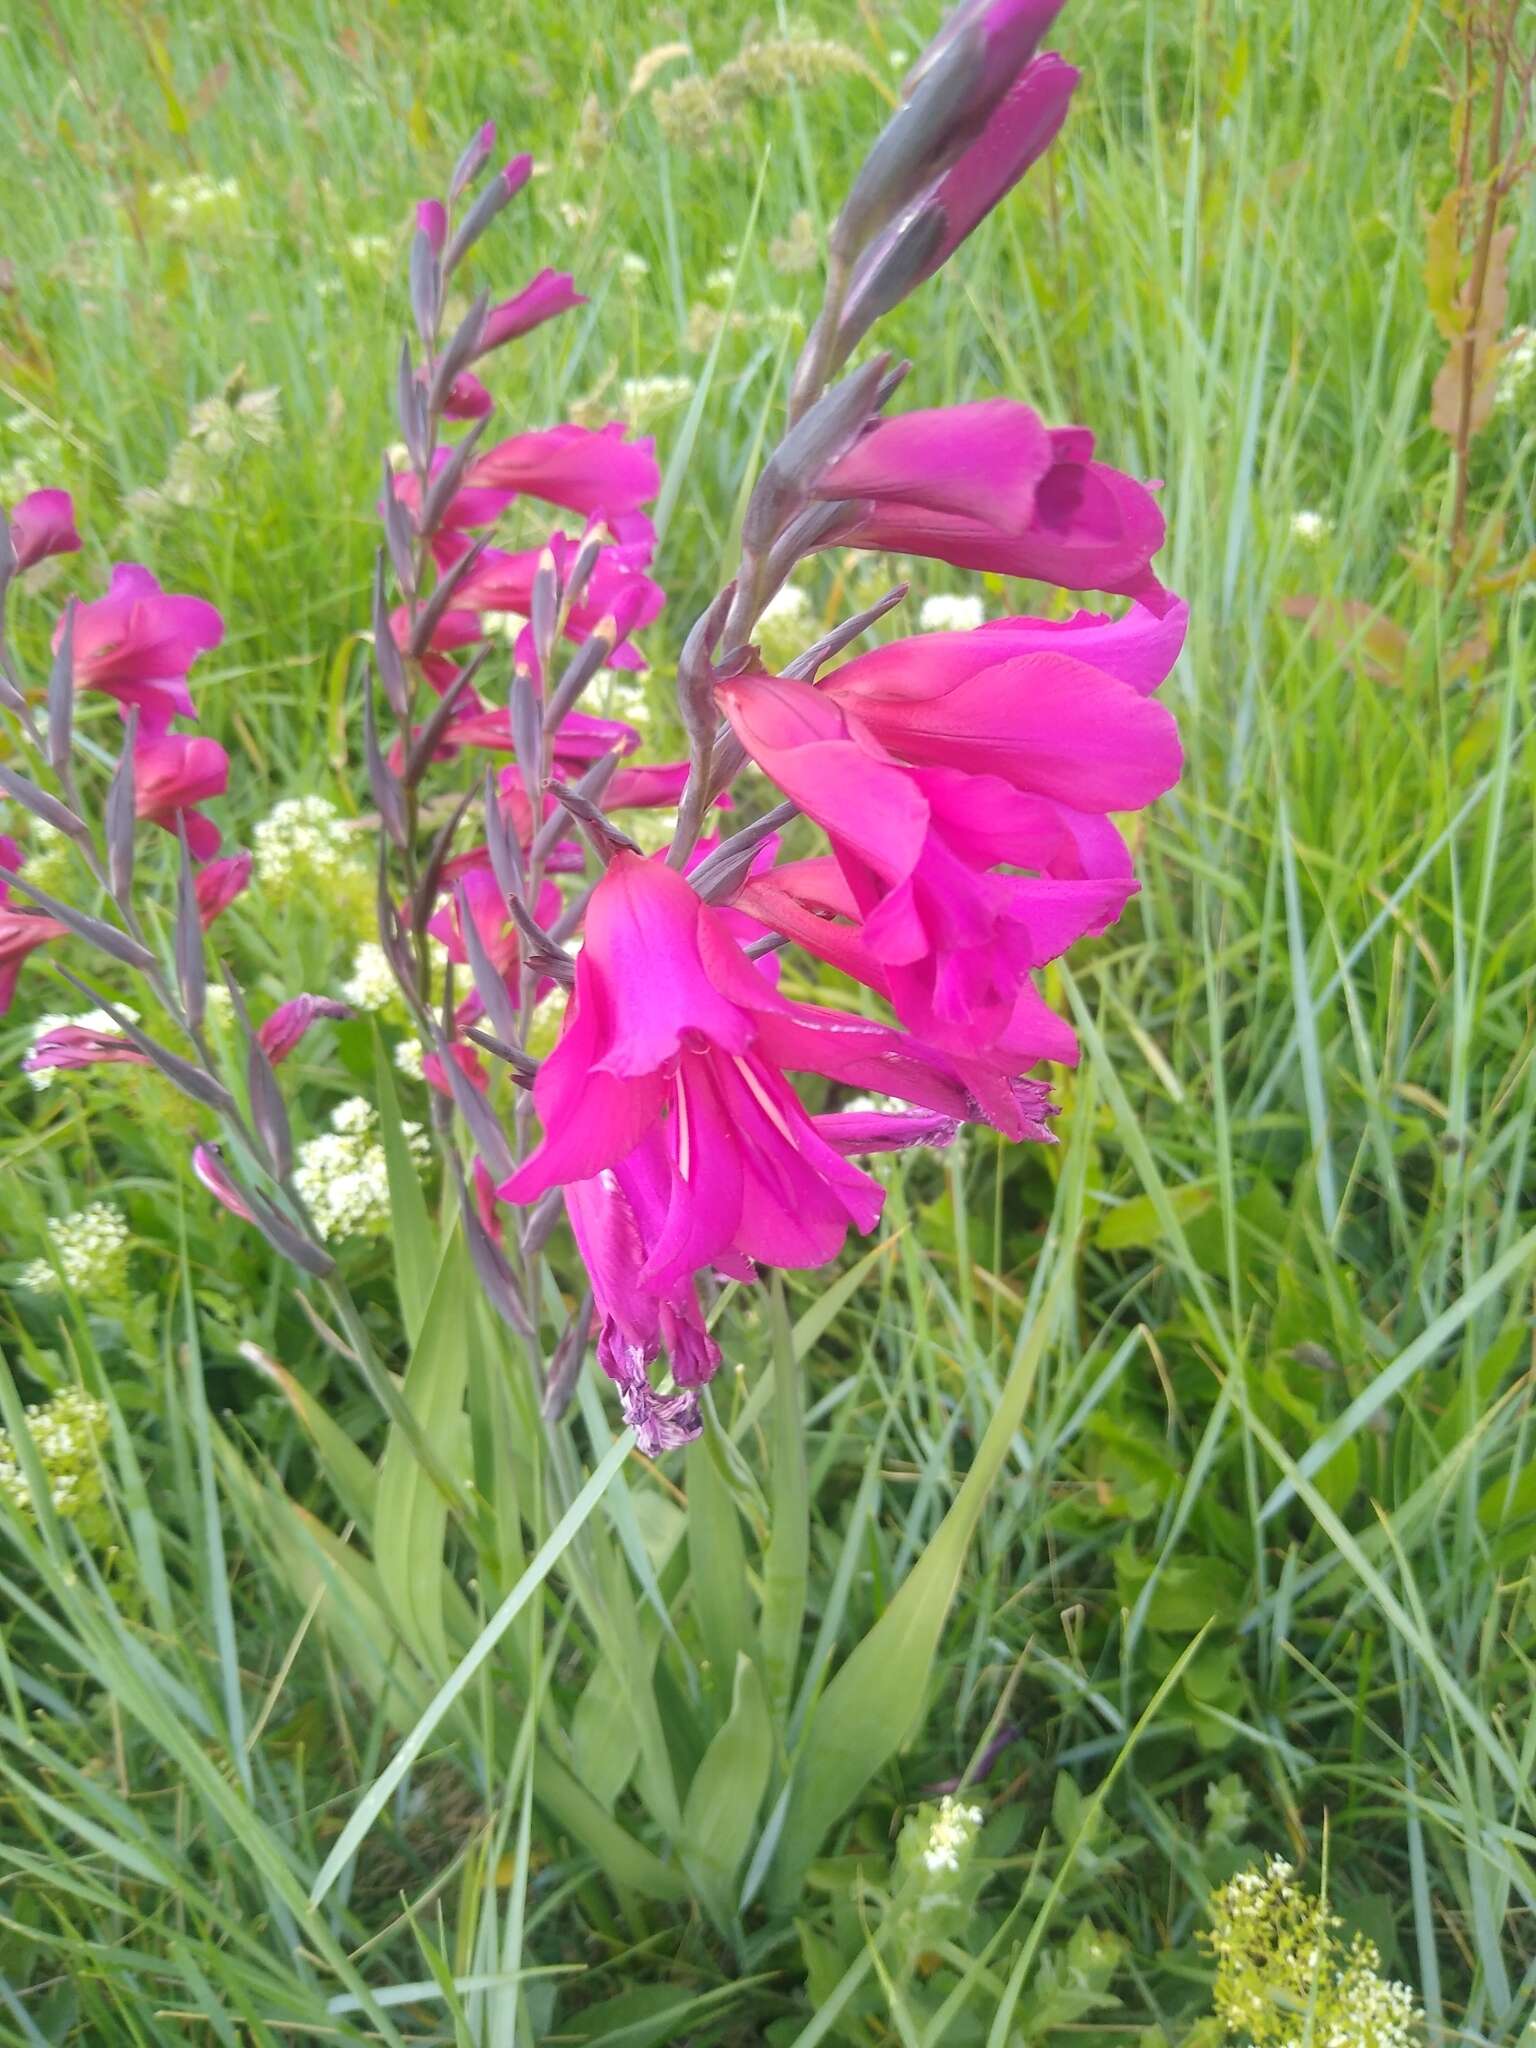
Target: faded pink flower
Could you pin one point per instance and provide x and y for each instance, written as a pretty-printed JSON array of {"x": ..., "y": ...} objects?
[
  {"x": 280, "y": 1034},
  {"x": 138, "y": 642},
  {"x": 219, "y": 883},
  {"x": 43, "y": 524},
  {"x": 173, "y": 773}
]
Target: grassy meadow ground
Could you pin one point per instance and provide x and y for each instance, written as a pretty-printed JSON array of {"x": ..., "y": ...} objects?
[{"x": 1255, "y": 1577}]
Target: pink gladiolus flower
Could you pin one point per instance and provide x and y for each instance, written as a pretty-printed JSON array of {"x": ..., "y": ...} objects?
[
  {"x": 550, "y": 293},
  {"x": 211, "y": 1171},
  {"x": 955, "y": 942},
  {"x": 617, "y": 590},
  {"x": 671, "y": 1027},
  {"x": 1091, "y": 528},
  {"x": 810, "y": 902},
  {"x": 43, "y": 524},
  {"x": 981, "y": 460},
  {"x": 219, "y": 883},
  {"x": 592, "y": 471},
  {"x": 78, "y": 1045},
  {"x": 21, "y": 933},
  {"x": 1047, "y": 723},
  {"x": 467, "y": 398},
  {"x": 280, "y": 1034},
  {"x": 172, "y": 775},
  {"x": 138, "y": 642}
]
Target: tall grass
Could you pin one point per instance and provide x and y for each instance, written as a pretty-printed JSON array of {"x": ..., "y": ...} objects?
[{"x": 1254, "y": 1572}]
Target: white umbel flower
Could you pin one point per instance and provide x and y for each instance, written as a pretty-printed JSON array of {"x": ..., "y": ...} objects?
[
  {"x": 371, "y": 984},
  {"x": 90, "y": 1251},
  {"x": 342, "y": 1176},
  {"x": 1310, "y": 528}
]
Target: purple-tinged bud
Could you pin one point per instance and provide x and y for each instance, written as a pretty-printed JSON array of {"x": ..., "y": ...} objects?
[
  {"x": 386, "y": 654},
  {"x": 825, "y": 432},
  {"x": 281, "y": 1033},
  {"x": 855, "y": 1132},
  {"x": 388, "y": 797},
  {"x": 544, "y": 606},
  {"x": 696, "y": 672},
  {"x": 219, "y": 882},
  {"x": 191, "y": 967},
  {"x": 1020, "y": 130},
  {"x": 602, "y": 835},
  {"x": 308, "y": 1256},
  {"x": 190, "y": 1079},
  {"x": 462, "y": 348},
  {"x": 506, "y": 185},
  {"x": 580, "y": 669},
  {"x": 491, "y": 1269},
  {"x": 427, "y": 619},
  {"x": 444, "y": 487},
  {"x": 501, "y": 842},
  {"x": 566, "y": 1361},
  {"x": 426, "y": 287},
  {"x": 525, "y": 717},
  {"x": 61, "y": 694},
  {"x": 432, "y": 221},
  {"x": 489, "y": 986},
  {"x": 805, "y": 667},
  {"x": 411, "y": 408},
  {"x": 476, "y": 154},
  {"x": 41, "y": 805},
  {"x": 208, "y": 1165},
  {"x": 1011, "y": 32},
  {"x": 484, "y": 1128},
  {"x": 398, "y": 537},
  {"x": 106, "y": 938}
]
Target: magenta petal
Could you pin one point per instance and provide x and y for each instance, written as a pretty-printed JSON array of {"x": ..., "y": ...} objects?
[
  {"x": 43, "y": 524},
  {"x": 281, "y": 1033},
  {"x": 983, "y": 459}
]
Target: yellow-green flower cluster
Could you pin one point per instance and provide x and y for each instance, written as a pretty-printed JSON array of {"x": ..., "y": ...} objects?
[
  {"x": 66, "y": 1433},
  {"x": 90, "y": 1252},
  {"x": 1284, "y": 1977}
]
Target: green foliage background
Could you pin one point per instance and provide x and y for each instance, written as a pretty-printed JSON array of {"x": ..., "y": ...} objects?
[{"x": 1269, "y": 1496}]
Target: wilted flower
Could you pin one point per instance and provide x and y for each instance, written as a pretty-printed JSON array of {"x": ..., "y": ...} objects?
[{"x": 90, "y": 1253}]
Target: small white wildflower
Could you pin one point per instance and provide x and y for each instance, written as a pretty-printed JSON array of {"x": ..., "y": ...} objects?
[
  {"x": 633, "y": 265},
  {"x": 1517, "y": 366},
  {"x": 409, "y": 1058},
  {"x": 573, "y": 215},
  {"x": 953, "y": 1831},
  {"x": 1310, "y": 528},
  {"x": 720, "y": 281},
  {"x": 90, "y": 1253},
  {"x": 302, "y": 847},
  {"x": 945, "y": 613},
  {"x": 342, "y": 1176},
  {"x": 371, "y": 984}
]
